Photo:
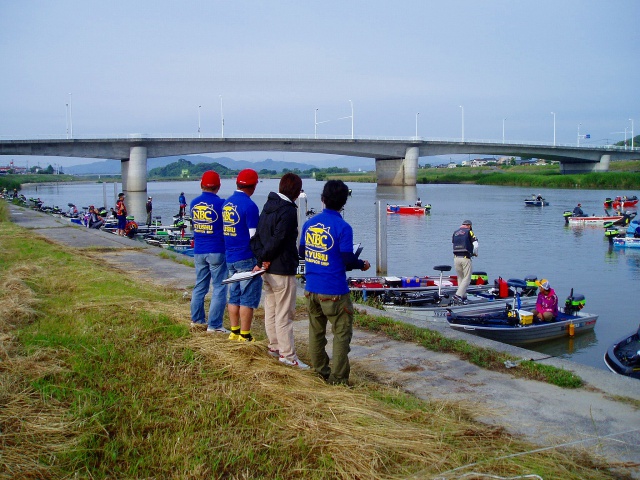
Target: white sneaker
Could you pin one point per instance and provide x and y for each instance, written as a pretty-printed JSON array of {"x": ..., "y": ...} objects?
[
  {"x": 218, "y": 330},
  {"x": 274, "y": 353},
  {"x": 296, "y": 362}
]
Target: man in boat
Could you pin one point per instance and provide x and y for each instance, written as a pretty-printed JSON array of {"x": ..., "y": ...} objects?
[
  {"x": 327, "y": 246},
  {"x": 546, "y": 309},
  {"x": 465, "y": 246},
  {"x": 95, "y": 220},
  {"x": 577, "y": 212},
  {"x": 182, "y": 200},
  {"x": 240, "y": 220},
  {"x": 418, "y": 202},
  {"x": 208, "y": 255}
]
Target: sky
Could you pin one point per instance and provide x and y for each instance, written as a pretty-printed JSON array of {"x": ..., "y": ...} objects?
[{"x": 294, "y": 67}]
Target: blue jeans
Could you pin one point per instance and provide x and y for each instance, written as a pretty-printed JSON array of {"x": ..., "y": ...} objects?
[
  {"x": 247, "y": 292},
  {"x": 211, "y": 268}
]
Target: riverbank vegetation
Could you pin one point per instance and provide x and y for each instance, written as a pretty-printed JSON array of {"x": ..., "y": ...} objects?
[
  {"x": 102, "y": 378},
  {"x": 621, "y": 176}
]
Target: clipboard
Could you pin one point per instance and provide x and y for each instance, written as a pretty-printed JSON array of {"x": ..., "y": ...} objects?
[{"x": 240, "y": 276}]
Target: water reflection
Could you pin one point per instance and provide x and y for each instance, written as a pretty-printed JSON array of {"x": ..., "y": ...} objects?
[{"x": 566, "y": 347}]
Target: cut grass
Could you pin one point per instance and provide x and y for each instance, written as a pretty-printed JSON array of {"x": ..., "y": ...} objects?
[{"x": 102, "y": 378}]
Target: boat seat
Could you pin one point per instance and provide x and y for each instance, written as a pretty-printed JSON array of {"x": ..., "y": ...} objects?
[
  {"x": 442, "y": 268},
  {"x": 516, "y": 283}
]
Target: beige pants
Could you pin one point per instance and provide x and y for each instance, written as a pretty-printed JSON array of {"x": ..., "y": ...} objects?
[
  {"x": 463, "y": 270},
  {"x": 279, "y": 312}
]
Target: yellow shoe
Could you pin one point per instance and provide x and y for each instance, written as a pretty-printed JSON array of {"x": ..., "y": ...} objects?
[
  {"x": 233, "y": 336},
  {"x": 245, "y": 339}
]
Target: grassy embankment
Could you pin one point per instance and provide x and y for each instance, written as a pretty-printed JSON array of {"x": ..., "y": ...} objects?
[
  {"x": 101, "y": 378},
  {"x": 621, "y": 176}
]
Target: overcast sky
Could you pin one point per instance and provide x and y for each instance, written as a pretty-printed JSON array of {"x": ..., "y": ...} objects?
[{"x": 145, "y": 67}]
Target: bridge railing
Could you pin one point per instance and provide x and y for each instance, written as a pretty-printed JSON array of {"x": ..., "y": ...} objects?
[{"x": 205, "y": 137}]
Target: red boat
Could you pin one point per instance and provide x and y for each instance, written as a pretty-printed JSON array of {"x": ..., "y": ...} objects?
[
  {"x": 619, "y": 203},
  {"x": 408, "y": 209}
]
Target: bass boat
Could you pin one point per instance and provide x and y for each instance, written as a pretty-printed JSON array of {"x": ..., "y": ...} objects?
[
  {"x": 623, "y": 357},
  {"x": 570, "y": 219},
  {"x": 535, "y": 201},
  {"x": 516, "y": 326},
  {"x": 408, "y": 209},
  {"x": 621, "y": 202}
]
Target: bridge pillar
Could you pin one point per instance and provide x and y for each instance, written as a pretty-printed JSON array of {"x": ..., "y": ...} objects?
[
  {"x": 398, "y": 171},
  {"x": 134, "y": 170},
  {"x": 586, "y": 167}
]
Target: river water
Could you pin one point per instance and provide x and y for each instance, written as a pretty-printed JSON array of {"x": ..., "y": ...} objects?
[{"x": 515, "y": 241}]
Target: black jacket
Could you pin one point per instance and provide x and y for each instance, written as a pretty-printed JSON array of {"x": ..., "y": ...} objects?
[{"x": 276, "y": 236}]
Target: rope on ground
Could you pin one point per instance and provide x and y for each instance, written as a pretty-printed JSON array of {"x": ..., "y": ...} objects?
[{"x": 537, "y": 450}]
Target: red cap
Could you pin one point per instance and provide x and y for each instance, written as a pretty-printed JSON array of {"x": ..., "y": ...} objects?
[
  {"x": 210, "y": 179},
  {"x": 247, "y": 177}
]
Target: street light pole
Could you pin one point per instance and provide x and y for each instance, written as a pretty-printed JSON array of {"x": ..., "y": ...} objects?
[
  {"x": 631, "y": 120},
  {"x": 199, "y": 106},
  {"x": 503, "y": 120},
  {"x": 462, "y": 108},
  {"x": 351, "y": 119},
  {"x": 67, "y": 117},
  {"x": 417, "y": 124},
  {"x": 554, "y": 128},
  {"x": 221, "y": 117},
  {"x": 579, "y": 134},
  {"x": 70, "y": 117},
  {"x": 315, "y": 123},
  {"x": 625, "y": 137}
]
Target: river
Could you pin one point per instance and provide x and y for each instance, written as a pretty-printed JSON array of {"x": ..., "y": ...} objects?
[{"x": 515, "y": 241}]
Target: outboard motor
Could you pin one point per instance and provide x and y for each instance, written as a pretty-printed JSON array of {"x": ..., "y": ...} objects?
[
  {"x": 574, "y": 303},
  {"x": 532, "y": 286},
  {"x": 608, "y": 203},
  {"x": 612, "y": 232},
  {"x": 566, "y": 215}
]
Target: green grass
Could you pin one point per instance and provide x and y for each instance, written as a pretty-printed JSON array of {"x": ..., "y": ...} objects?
[
  {"x": 482, "y": 357},
  {"x": 102, "y": 378}
]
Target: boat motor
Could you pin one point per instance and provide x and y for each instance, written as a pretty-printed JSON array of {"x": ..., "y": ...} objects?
[
  {"x": 566, "y": 215},
  {"x": 574, "y": 303}
]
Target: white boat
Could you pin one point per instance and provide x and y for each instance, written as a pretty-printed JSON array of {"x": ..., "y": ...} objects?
[{"x": 626, "y": 242}]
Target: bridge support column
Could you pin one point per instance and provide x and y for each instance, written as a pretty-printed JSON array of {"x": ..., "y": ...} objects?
[
  {"x": 586, "y": 167},
  {"x": 134, "y": 171},
  {"x": 398, "y": 171}
]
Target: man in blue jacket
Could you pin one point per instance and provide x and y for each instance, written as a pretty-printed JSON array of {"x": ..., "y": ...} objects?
[
  {"x": 327, "y": 246},
  {"x": 240, "y": 217},
  {"x": 208, "y": 254}
]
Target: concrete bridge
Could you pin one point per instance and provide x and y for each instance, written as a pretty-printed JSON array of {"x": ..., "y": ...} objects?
[{"x": 396, "y": 158}]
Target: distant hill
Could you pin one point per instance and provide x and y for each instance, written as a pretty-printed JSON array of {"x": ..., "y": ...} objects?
[{"x": 112, "y": 167}]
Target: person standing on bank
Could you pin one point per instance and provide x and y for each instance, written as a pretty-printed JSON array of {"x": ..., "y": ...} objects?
[
  {"x": 182, "y": 200},
  {"x": 240, "y": 218},
  {"x": 327, "y": 246},
  {"x": 121, "y": 214},
  {"x": 465, "y": 246},
  {"x": 209, "y": 254},
  {"x": 274, "y": 246},
  {"x": 149, "y": 207}
]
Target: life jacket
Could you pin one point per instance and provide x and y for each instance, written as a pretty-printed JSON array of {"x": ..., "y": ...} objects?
[{"x": 462, "y": 244}]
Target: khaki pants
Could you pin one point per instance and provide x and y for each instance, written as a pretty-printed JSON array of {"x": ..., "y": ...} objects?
[
  {"x": 279, "y": 312},
  {"x": 463, "y": 270},
  {"x": 338, "y": 311}
]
